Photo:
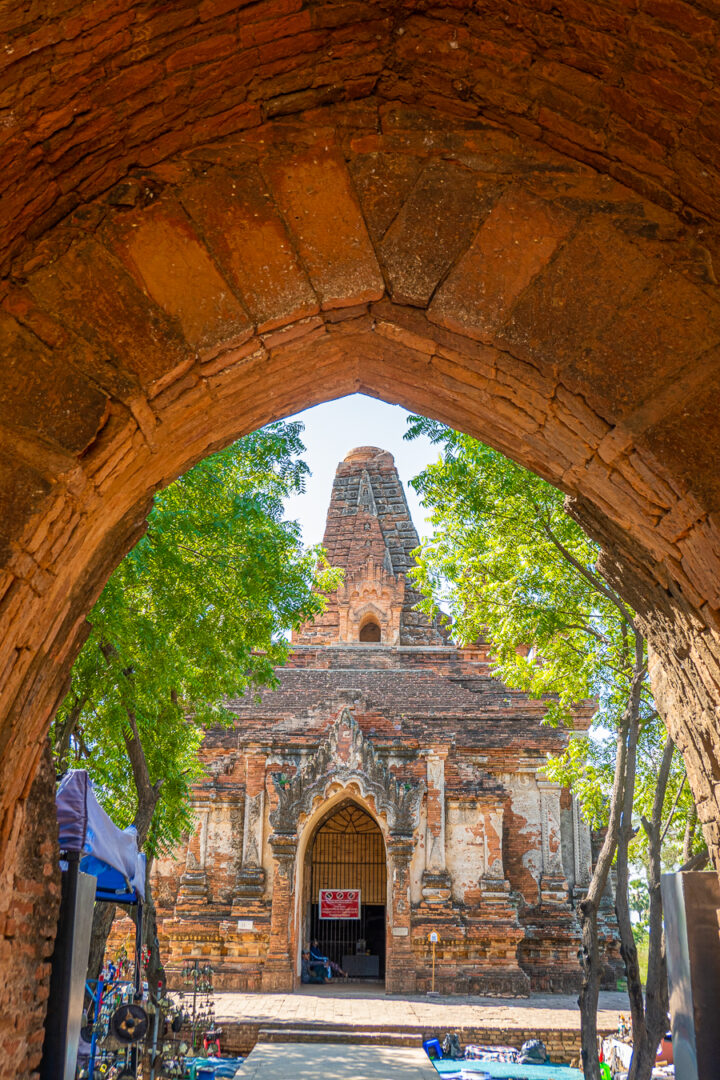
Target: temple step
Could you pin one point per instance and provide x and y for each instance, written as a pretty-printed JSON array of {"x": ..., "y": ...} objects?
[{"x": 365, "y": 1036}]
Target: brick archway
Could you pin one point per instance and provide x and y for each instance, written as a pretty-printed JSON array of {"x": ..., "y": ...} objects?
[
  {"x": 501, "y": 217},
  {"x": 215, "y": 303}
]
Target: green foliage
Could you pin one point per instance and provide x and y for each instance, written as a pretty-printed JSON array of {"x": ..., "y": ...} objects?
[
  {"x": 195, "y": 613},
  {"x": 510, "y": 566},
  {"x": 500, "y": 560},
  {"x": 642, "y": 943},
  {"x": 639, "y": 898}
]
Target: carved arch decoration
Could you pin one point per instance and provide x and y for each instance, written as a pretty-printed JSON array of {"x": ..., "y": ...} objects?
[
  {"x": 345, "y": 757},
  {"x": 368, "y": 613},
  {"x": 372, "y": 624}
]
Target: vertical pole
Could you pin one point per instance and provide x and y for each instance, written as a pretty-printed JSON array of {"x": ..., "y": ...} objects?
[
  {"x": 54, "y": 1062},
  {"x": 156, "y": 1027},
  {"x": 433, "y": 969},
  {"x": 196, "y": 970},
  {"x": 98, "y": 995}
]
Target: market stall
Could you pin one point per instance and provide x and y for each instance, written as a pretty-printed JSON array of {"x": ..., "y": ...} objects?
[{"x": 99, "y": 861}]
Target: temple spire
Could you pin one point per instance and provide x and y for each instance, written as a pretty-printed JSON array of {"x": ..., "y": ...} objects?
[
  {"x": 370, "y": 535},
  {"x": 366, "y": 499}
]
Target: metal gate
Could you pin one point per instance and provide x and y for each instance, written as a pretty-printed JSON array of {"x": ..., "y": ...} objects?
[{"x": 349, "y": 853}]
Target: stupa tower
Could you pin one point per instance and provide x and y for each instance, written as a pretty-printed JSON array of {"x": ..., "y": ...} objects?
[{"x": 369, "y": 534}]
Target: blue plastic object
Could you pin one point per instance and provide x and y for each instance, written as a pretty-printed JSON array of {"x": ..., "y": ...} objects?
[
  {"x": 215, "y": 1067},
  {"x": 469, "y": 1069},
  {"x": 433, "y": 1049}
]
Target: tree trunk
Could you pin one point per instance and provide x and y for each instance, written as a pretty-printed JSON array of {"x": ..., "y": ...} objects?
[
  {"x": 645, "y": 1043},
  {"x": 103, "y": 916},
  {"x": 147, "y": 795},
  {"x": 155, "y": 969},
  {"x": 628, "y": 948},
  {"x": 589, "y": 951},
  {"x": 698, "y": 861}
]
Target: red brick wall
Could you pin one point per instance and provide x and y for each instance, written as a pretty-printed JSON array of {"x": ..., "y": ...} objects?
[{"x": 29, "y": 905}]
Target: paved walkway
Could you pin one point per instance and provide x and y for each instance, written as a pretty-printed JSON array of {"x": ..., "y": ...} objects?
[
  {"x": 325, "y": 1061},
  {"x": 370, "y": 1006}
]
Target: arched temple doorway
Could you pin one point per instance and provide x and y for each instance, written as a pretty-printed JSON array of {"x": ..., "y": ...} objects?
[{"x": 347, "y": 852}]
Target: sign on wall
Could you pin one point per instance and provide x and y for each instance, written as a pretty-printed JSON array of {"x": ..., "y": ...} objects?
[{"x": 339, "y": 903}]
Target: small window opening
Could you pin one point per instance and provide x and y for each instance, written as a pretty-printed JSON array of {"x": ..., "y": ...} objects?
[{"x": 370, "y": 631}]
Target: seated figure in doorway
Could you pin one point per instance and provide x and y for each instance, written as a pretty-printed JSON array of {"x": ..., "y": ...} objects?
[
  {"x": 331, "y": 968},
  {"x": 309, "y": 972}
]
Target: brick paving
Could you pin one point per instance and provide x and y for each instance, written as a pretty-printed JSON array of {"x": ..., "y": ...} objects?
[{"x": 371, "y": 1007}]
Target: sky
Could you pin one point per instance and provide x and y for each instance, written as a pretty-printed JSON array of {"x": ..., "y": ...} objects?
[{"x": 335, "y": 428}]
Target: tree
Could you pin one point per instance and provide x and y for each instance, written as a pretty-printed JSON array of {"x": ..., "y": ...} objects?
[
  {"x": 509, "y": 564},
  {"x": 196, "y": 613}
]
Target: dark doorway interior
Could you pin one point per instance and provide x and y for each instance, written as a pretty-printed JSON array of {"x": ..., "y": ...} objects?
[
  {"x": 349, "y": 853},
  {"x": 370, "y": 632}
]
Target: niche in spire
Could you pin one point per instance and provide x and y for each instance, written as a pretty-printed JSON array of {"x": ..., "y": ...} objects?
[{"x": 370, "y": 631}]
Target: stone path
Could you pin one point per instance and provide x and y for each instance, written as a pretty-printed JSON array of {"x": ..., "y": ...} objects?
[
  {"x": 370, "y": 1006},
  {"x": 323, "y": 1061}
]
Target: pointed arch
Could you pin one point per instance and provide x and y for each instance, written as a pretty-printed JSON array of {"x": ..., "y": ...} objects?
[{"x": 340, "y": 797}]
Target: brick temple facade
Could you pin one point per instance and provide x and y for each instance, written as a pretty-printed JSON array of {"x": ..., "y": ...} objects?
[{"x": 391, "y": 761}]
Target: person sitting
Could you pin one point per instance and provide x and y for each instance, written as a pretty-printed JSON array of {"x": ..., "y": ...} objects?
[
  {"x": 331, "y": 968},
  {"x": 309, "y": 972},
  {"x": 317, "y": 958}
]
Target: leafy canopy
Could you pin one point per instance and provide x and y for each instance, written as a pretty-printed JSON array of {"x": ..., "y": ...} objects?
[
  {"x": 509, "y": 565},
  {"x": 196, "y": 612}
]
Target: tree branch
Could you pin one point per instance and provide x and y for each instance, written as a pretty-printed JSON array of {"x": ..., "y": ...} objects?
[
  {"x": 591, "y": 578},
  {"x": 697, "y": 862},
  {"x": 673, "y": 808},
  {"x": 147, "y": 792},
  {"x": 62, "y": 742},
  {"x": 690, "y": 826}
]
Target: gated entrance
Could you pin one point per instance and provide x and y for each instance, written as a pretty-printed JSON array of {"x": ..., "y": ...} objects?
[{"x": 348, "y": 852}]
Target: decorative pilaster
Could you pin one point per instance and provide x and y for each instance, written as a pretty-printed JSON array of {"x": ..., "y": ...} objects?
[
  {"x": 436, "y": 884},
  {"x": 582, "y": 851},
  {"x": 554, "y": 888},
  {"x": 278, "y": 971},
  {"x": 250, "y": 881},
  {"x": 494, "y": 886},
  {"x": 193, "y": 883},
  {"x": 400, "y": 967}
]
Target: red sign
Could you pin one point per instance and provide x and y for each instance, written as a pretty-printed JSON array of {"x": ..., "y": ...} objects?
[{"x": 339, "y": 903}]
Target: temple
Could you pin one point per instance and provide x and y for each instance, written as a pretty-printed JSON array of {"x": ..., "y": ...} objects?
[{"x": 390, "y": 761}]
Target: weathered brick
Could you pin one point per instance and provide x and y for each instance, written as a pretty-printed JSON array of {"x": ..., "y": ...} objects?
[
  {"x": 336, "y": 250},
  {"x": 249, "y": 239},
  {"x": 435, "y": 224},
  {"x": 120, "y": 324},
  {"x": 512, "y": 247},
  {"x": 164, "y": 252}
]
